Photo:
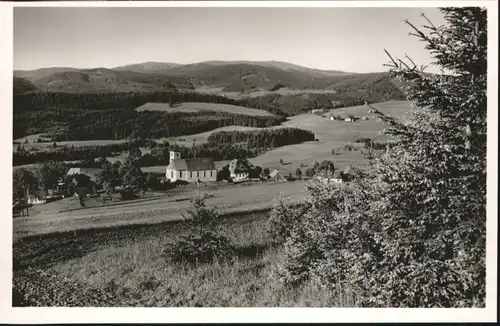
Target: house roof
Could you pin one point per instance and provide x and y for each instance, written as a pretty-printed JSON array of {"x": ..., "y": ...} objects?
[
  {"x": 240, "y": 166},
  {"x": 91, "y": 172},
  {"x": 276, "y": 173},
  {"x": 348, "y": 169},
  {"x": 338, "y": 174},
  {"x": 193, "y": 164}
]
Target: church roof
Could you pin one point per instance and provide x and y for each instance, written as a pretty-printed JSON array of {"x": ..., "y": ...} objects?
[{"x": 193, "y": 164}]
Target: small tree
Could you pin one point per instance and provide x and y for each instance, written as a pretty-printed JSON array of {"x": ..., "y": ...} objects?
[
  {"x": 267, "y": 172},
  {"x": 24, "y": 181},
  {"x": 206, "y": 241},
  {"x": 298, "y": 173},
  {"x": 309, "y": 172},
  {"x": 54, "y": 145},
  {"x": 281, "y": 161}
]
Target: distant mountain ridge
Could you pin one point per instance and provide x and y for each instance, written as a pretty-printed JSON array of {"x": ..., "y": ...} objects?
[
  {"x": 149, "y": 67},
  {"x": 223, "y": 76}
]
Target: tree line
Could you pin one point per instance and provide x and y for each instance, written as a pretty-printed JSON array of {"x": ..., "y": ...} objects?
[
  {"x": 122, "y": 124},
  {"x": 222, "y": 146},
  {"x": 267, "y": 138},
  {"x": 108, "y": 101}
]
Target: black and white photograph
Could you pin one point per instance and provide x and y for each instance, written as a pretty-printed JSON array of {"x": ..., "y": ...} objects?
[{"x": 264, "y": 156}]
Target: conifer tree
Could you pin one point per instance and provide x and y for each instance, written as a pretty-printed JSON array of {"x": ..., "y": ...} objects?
[{"x": 412, "y": 231}]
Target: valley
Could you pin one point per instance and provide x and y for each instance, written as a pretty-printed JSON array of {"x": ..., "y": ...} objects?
[{"x": 135, "y": 116}]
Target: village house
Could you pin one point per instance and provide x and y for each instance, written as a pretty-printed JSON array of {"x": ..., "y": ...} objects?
[
  {"x": 92, "y": 173},
  {"x": 338, "y": 176},
  {"x": 87, "y": 179},
  {"x": 349, "y": 119},
  {"x": 191, "y": 170},
  {"x": 240, "y": 169},
  {"x": 36, "y": 200}
]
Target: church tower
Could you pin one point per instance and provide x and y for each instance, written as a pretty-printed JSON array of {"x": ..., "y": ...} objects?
[{"x": 174, "y": 156}]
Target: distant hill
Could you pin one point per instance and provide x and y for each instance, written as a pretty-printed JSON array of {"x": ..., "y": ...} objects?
[
  {"x": 102, "y": 80},
  {"x": 243, "y": 77},
  {"x": 149, "y": 67},
  {"x": 22, "y": 85},
  {"x": 246, "y": 77},
  {"x": 42, "y": 72},
  {"x": 279, "y": 65}
]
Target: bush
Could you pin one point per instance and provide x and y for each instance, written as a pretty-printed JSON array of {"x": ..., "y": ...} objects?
[
  {"x": 298, "y": 173},
  {"x": 205, "y": 242},
  {"x": 281, "y": 220},
  {"x": 309, "y": 173},
  {"x": 204, "y": 248}
]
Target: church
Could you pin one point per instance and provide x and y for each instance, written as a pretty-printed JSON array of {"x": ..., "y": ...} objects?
[{"x": 191, "y": 170}]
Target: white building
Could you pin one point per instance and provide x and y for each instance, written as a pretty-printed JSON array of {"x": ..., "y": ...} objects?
[
  {"x": 191, "y": 170},
  {"x": 239, "y": 170}
]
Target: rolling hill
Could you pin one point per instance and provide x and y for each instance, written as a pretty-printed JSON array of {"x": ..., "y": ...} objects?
[
  {"x": 101, "y": 80},
  {"x": 22, "y": 85},
  {"x": 242, "y": 77},
  {"x": 149, "y": 67}
]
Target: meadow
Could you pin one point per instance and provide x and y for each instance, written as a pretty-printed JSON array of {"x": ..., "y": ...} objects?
[
  {"x": 128, "y": 267},
  {"x": 262, "y": 92},
  {"x": 196, "y": 107},
  {"x": 331, "y": 135},
  {"x": 59, "y": 216}
]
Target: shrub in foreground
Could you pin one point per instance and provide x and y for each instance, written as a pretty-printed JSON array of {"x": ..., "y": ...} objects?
[
  {"x": 206, "y": 241},
  {"x": 412, "y": 233}
]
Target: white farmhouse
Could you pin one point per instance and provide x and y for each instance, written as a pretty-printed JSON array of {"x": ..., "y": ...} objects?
[
  {"x": 240, "y": 169},
  {"x": 191, "y": 170}
]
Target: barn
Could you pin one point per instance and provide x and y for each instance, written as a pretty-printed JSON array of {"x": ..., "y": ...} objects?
[
  {"x": 276, "y": 175},
  {"x": 191, "y": 170}
]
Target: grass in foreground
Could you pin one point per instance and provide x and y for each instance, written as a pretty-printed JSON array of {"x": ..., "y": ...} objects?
[{"x": 138, "y": 274}]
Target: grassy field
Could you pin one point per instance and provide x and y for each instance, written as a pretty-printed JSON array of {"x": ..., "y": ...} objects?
[
  {"x": 330, "y": 134},
  {"x": 262, "y": 92},
  {"x": 195, "y": 107},
  {"x": 48, "y": 146},
  {"x": 229, "y": 197},
  {"x": 188, "y": 140},
  {"x": 127, "y": 267}
]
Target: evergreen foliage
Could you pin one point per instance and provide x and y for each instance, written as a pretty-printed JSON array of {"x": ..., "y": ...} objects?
[
  {"x": 206, "y": 242},
  {"x": 412, "y": 231}
]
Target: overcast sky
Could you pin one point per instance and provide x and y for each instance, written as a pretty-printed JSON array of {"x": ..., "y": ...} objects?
[{"x": 348, "y": 39}]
